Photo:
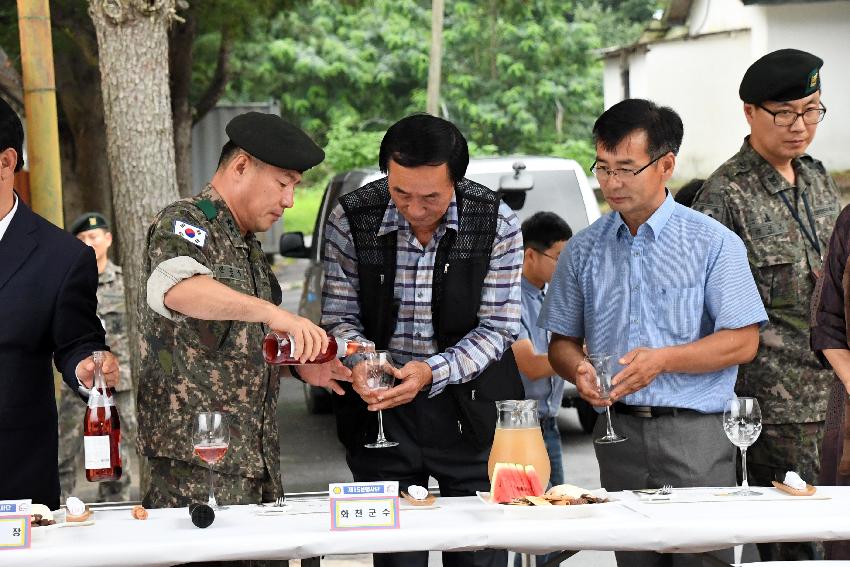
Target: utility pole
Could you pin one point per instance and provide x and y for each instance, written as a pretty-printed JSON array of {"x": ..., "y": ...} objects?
[
  {"x": 432, "y": 105},
  {"x": 42, "y": 132}
]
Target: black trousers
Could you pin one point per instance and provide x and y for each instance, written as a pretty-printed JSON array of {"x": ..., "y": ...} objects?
[{"x": 429, "y": 444}]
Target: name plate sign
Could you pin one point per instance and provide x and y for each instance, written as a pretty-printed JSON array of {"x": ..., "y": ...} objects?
[
  {"x": 364, "y": 505},
  {"x": 15, "y": 524}
]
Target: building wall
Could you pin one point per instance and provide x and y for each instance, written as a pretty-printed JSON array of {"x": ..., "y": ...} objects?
[
  {"x": 709, "y": 16},
  {"x": 823, "y": 28},
  {"x": 699, "y": 79}
]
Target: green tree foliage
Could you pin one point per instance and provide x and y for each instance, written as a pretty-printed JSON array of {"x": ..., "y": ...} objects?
[{"x": 519, "y": 76}]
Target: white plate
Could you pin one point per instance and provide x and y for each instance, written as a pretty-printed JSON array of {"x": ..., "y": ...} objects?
[{"x": 544, "y": 512}]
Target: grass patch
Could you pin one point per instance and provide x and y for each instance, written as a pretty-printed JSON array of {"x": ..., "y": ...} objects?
[{"x": 302, "y": 217}]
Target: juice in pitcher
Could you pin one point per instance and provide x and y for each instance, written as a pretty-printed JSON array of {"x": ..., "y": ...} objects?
[{"x": 519, "y": 439}]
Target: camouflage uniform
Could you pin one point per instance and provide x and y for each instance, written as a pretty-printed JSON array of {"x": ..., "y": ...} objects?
[
  {"x": 111, "y": 311},
  {"x": 789, "y": 382},
  {"x": 191, "y": 365}
]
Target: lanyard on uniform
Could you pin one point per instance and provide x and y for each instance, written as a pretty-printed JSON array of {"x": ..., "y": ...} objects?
[{"x": 811, "y": 237}]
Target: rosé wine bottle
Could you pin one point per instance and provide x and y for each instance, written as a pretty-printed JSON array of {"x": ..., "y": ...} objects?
[
  {"x": 101, "y": 429},
  {"x": 277, "y": 349}
]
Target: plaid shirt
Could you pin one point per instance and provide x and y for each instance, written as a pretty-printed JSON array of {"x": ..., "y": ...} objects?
[{"x": 414, "y": 338}]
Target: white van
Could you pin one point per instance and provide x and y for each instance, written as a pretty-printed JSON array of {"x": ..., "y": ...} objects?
[{"x": 528, "y": 184}]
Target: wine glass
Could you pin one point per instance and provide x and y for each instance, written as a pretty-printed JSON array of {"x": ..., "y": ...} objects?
[
  {"x": 211, "y": 436},
  {"x": 602, "y": 366},
  {"x": 378, "y": 377},
  {"x": 742, "y": 424}
]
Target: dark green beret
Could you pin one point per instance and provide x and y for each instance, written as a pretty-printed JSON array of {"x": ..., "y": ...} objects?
[
  {"x": 88, "y": 221},
  {"x": 271, "y": 139},
  {"x": 783, "y": 75}
]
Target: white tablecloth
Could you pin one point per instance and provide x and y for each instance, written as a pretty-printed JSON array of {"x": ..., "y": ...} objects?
[{"x": 168, "y": 536}]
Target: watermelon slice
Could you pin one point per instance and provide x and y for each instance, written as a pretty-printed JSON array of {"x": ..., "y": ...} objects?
[
  {"x": 523, "y": 485},
  {"x": 502, "y": 485},
  {"x": 513, "y": 480},
  {"x": 533, "y": 480}
]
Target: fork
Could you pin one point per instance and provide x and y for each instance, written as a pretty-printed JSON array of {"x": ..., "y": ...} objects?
[{"x": 665, "y": 490}]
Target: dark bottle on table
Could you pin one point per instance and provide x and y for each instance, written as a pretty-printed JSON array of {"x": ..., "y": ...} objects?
[
  {"x": 277, "y": 349},
  {"x": 101, "y": 429}
]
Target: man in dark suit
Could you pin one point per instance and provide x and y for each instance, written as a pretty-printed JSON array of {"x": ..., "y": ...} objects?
[{"x": 48, "y": 284}]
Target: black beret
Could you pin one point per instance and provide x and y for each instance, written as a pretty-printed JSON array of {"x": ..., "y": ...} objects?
[
  {"x": 88, "y": 221},
  {"x": 783, "y": 75},
  {"x": 271, "y": 139}
]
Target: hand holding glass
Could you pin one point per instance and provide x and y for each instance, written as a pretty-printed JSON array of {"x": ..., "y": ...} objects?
[
  {"x": 379, "y": 377},
  {"x": 602, "y": 366},
  {"x": 742, "y": 424},
  {"x": 211, "y": 436}
]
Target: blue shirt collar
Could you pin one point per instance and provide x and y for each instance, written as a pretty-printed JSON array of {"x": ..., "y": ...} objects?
[
  {"x": 656, "y": 222},
  {"x": 529, "y": 288},
  {"x": 394, "y": 221}
]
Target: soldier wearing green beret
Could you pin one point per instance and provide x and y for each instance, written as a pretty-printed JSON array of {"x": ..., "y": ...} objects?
[
  {"x": 783, "y": 204},
  {"x": 211, "y": 296},
  {"x": 93, "y": 229}
]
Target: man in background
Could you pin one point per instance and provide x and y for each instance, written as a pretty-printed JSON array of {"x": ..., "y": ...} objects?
[
  {"x": 544, "y": 236},
  {"x": 783, "y": 205}
]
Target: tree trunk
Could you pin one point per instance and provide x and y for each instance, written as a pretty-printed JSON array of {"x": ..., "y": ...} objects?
[
  {"x": 85, "y": 171},
  {"x": 132, "y": 39},
  {"x": 132, "y": 43},
  {"x": 182, "y": 38},
  {"x": 432, "y": 104},
  {"x": 180, "y": 63}
]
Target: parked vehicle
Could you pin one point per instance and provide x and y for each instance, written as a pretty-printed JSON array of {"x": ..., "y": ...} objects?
[{"x": 528, "y": 184}]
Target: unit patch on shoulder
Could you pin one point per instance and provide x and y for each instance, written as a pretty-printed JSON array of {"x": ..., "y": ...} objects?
[{"x": 191, "y": 233}]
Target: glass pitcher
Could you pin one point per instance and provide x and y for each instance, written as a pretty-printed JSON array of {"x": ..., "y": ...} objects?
[{"x": 519, "y": 439}]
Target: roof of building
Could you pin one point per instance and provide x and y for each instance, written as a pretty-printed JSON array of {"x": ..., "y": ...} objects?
[{"x": 673, "y": 26}]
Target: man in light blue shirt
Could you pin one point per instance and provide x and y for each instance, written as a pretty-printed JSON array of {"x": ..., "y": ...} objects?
[{"x": 668, "y": 292}]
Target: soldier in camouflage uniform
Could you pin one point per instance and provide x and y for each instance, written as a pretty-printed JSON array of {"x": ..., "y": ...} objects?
[
  {"x": 93, "y": 229},
  {"x": 783, "y": 205},
  {"x": 211, "y": 297}
]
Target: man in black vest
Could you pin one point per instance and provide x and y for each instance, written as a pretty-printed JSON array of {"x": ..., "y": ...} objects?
[{"x": 426, "y": 264}]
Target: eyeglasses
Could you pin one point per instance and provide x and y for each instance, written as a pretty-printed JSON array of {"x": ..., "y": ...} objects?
[
  {"x": 602, "y": 173},
  {"x": 789, "y": 117},
  {"x": 545, "y": 254}
]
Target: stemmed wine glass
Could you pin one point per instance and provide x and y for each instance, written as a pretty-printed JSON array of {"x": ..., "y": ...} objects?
[
  {"x": 742, "y": 424},
  {"x": 379, "y": 377},
  {"x": 602, "y": 365},
  {"x": 211, "y": 436}
]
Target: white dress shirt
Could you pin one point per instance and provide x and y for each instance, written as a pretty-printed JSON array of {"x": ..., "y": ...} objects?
[{"x": 7, "y": 220}]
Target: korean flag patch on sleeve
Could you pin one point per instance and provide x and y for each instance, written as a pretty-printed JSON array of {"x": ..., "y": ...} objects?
[{"x": 191, "y": 233}]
